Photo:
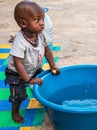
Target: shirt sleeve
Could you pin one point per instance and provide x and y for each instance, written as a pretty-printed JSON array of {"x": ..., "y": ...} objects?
[
  {"x": 45, "y": 39},
  {"x": 18, "y": 49}
]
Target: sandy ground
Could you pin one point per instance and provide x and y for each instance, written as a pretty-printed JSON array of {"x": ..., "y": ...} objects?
[{"x": 75, "y": 27}]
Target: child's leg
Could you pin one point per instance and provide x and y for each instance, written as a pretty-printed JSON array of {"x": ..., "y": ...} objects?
[
  {"x": 15, "y": 112},
  {"x": 18, "y": 94}
]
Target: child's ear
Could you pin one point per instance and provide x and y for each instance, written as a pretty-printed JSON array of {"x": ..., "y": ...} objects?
[{"x": 22, "y": 23}]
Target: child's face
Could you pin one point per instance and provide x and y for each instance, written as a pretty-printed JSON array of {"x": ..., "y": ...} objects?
[{"x": 35, "y": 23}]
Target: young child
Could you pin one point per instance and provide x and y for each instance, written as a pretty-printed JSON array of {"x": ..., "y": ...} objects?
[{"x": 25, "y": 58}]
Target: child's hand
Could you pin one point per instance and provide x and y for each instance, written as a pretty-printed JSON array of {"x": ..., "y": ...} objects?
[
  {"x": 55, "y": 70},
  {"x": 36, "y": 80}
]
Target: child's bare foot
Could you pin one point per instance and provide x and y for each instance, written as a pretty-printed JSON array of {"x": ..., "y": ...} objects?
[{"x": 17, "y": 118}]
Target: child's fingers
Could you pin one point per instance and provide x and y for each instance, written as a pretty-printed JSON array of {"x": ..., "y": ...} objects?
[{"x": 55, "y": 72}]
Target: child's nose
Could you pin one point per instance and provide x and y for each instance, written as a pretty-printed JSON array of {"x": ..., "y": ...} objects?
[{"x": 41, "y": 22}]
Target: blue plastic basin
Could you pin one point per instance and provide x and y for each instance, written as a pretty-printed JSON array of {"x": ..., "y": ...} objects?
[{"x": 76, "y": 86}]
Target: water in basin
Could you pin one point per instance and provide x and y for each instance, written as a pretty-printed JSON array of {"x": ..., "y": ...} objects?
[{"x": 79, "y": 96}]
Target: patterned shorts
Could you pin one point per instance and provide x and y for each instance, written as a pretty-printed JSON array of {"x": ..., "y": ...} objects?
[{"x": 17, "y": 85}]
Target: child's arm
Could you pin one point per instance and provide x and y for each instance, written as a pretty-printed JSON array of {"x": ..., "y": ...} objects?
[
  {"x": 50, "y": 59},
  {"x": 22, "y": 72}
]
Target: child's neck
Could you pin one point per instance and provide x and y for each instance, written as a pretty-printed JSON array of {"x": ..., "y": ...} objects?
[
  {"x": 30, "y": 35},
  {"x": 32, "y": 38}
]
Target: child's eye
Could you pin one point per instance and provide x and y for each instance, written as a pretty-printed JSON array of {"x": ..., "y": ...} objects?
[{"x": 37, "y": 20}]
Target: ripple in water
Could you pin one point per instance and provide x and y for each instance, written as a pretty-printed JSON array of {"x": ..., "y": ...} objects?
[{"x": 87, "y": 103}]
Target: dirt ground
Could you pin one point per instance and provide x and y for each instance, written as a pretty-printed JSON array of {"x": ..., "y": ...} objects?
[{"x": 75, "y": 27}]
